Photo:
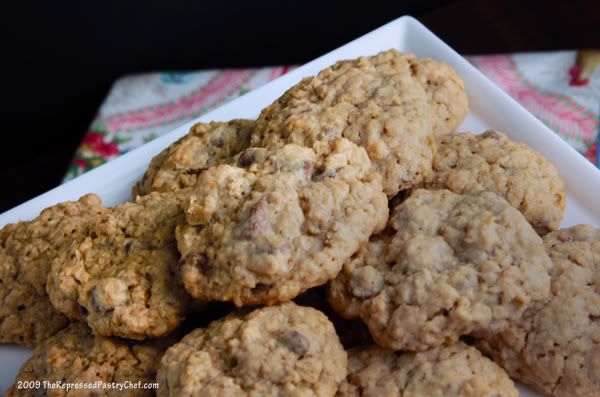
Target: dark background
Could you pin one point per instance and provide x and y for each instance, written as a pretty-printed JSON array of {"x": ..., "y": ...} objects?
[{"x": 60, "y": 57}]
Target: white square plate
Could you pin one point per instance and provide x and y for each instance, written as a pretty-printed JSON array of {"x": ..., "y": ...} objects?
[{"x": 490, "y": 108}]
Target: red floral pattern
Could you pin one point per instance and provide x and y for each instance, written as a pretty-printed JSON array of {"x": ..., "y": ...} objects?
[
  {"x": 95, "y": 150},
  {"x": 94, "y": 142},
  {"x": 591, "y": 153}
]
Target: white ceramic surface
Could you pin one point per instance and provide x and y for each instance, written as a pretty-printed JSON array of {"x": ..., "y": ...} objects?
[{"x": 490, "y": 108}]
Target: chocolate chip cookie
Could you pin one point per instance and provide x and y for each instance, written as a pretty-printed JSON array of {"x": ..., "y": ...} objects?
[
  {"x": 347, "y": 291},
  {"x": 555, "y": 347},
  {"x": 466, "y": 163},
  {"x": 447, "y": 265},
  {"x": 375, "y": 102},
  {"x": 205, "y": 145},
  {"x": 122, "y": 277},
  {"x": 26, "y": 252},
  {"x": 282, "y": 350},
  {"x": 445, "y": 91},
  {"x": 456, "y": 370},
  {"x": 77, "y": 357},
  {"x": 279, "y": 222}
]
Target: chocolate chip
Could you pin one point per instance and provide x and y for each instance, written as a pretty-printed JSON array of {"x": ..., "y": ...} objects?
[
  {"x": 366, "y": 282},
  {"x": 21, "y": 308},
  {"x": 247, "y": 158},
  {"x": 295, "y": 342},
  {"x": 257, "y": 224},
  {"x": 199, "y": 261},
  {"x": 594, "y": 318},
  {"x": 218, "y": 141}
]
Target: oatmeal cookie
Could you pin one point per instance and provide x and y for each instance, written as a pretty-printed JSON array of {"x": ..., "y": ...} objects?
[
  {"x": 375, "y": 102},
  {"x": 447, "y": 265},
  {"x": 278, "y": 223},
  {"x": 555, "y": 348},
  {"x": 76, "y": 356},
  {"x": 466, "y": 163},
  {"x": 282, "y": 350},
  {"x": 445, "y": 92},
  {"x": 345, "y": 293},
  {"x": 26, "y": 252},
  {"x": 122, "y": 278},
  {"x": 206, "y": 145},
  {"x": 456, "y": 370}
]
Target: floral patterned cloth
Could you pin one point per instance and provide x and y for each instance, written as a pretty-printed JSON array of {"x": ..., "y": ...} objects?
[{"x": 561, "y": 88}]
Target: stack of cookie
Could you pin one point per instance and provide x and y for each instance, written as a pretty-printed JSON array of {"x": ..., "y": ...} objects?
[{"x": 347, "y": 242}]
